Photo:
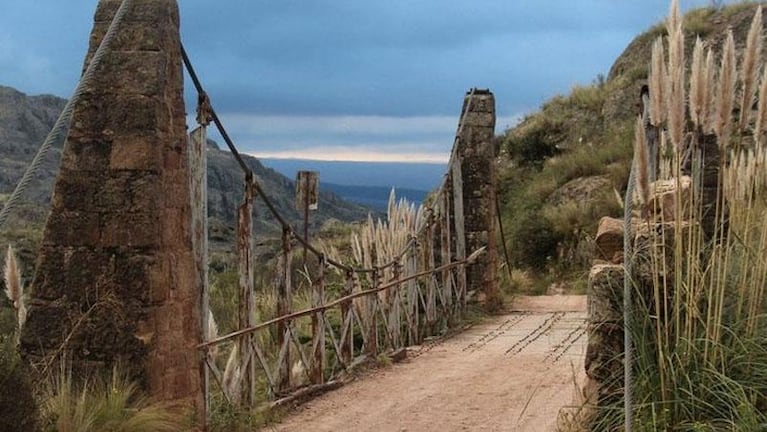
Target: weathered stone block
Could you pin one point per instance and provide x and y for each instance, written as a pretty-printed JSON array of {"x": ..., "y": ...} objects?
[
  {"x": 72, "y": 228},
  {"x": 45, "y": 334},
  {"x": 77, "y": 190},
  {"x": 605, "y": 297},
  {"x": 154, "y": 11},
  {"x": 609, "y": 240},
  {"x": 130, "y": 229},
  {"x": 86, "y": 155},
  {"x": 139, "y": 152},
  {"x": 664, "y": 196}
]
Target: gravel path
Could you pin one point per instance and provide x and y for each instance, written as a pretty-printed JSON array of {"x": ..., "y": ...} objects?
[{"x": 509, "y": 373}]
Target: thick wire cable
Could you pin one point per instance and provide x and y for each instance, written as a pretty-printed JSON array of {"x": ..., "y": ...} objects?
[
  {"x": 62, "y": 122},
  {"x": 268, "y": 202}
]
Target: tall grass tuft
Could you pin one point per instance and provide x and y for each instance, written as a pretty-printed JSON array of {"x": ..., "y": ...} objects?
[
  {"x": 111, "y": 404},
  {"x": 699, "y": 324}
]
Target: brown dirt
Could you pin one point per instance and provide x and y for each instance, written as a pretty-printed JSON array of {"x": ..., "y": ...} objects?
[{"x": 510, "y": 373}]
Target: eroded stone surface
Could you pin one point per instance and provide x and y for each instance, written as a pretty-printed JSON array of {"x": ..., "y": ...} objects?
[
  {"x": 116, "y": 278},
  {"x": 476, "y": 151}
]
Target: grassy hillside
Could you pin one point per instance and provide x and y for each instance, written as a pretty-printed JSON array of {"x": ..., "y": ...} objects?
[{"x": 566, "y": 165}]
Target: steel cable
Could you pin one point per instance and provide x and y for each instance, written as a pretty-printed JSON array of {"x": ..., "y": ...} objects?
[{"x": 268, "y": 202}]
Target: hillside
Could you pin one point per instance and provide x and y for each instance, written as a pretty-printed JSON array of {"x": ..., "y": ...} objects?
[
  {"x": 25, "y": 121},
  {"x": 566, "y": 165}
]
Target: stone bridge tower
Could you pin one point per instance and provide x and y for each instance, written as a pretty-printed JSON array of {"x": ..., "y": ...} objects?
[{"x": 116, "y": 279}]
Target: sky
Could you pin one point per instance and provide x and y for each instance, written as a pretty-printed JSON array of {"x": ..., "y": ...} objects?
[{"x": 351, "y": 79}]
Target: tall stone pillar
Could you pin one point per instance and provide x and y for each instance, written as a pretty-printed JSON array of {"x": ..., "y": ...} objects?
[
  {"x": 476, "y": 153},
  {"x": 116, "y": 277}
]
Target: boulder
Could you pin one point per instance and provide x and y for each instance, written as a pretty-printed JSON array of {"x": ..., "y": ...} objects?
[{"x": 663, "y": 198}]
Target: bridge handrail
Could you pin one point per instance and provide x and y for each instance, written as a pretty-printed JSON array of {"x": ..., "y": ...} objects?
[{"x": 298, "y": 314}]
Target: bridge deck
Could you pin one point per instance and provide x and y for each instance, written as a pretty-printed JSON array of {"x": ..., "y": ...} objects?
[{"x": 510, "y": 373}]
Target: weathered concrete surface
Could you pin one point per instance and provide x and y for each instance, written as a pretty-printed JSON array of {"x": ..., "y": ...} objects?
[
  {"x": 116, "y": 278},
  {"x": 476, "y": 153}
]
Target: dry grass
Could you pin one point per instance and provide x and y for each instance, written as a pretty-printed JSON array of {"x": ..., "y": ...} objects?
[
  {"x": 113, "y": 404},
  {"x": 699, "y": 322}
]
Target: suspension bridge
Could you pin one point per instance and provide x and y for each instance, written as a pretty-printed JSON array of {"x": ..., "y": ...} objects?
[{"x": 122, "y": 273}]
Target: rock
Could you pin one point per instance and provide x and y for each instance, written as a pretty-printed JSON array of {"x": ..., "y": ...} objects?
[
  {"x": 609, "y": 240},
  {"x": 605, "y": 295},
  {"x": 663, "y": 198}
]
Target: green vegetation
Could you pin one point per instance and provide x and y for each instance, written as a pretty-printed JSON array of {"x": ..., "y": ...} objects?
[
  {"x": 563, "y": 167},
  {"x": 699, "y": 320}
]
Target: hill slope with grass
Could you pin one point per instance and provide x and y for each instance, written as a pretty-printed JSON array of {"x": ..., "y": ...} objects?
[{"x": 565, "y": 166}]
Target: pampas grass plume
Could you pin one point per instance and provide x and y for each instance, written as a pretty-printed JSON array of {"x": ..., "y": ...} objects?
[
  {"x": 750, "y": 70},
  {"x": 642, "y": 165},
  {"x": 726, "y": 93}
]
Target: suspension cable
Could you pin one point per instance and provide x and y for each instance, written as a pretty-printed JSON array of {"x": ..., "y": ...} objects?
[{"x": 250, "y": 176}]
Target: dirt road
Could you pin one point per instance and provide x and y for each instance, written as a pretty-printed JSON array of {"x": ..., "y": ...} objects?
[{"x": 510, "y": 373}]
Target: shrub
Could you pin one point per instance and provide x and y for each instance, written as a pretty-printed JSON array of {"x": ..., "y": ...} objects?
[
  {"x": 536, "y": 145},
  {"x": 17, "y": 402},
  {"x": 534, "y": 242}
]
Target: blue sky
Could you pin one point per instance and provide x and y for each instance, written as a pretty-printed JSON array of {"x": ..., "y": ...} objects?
[{"x": 351, "y": 79}]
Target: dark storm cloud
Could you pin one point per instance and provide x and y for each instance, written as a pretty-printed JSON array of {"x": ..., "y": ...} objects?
[{"x": 310, "y": 62}]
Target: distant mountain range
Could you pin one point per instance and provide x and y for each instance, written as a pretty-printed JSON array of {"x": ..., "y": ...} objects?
[
  {"x": 367, "y": 183},
  {"x": 376, "y": 197},
  {"x": 26, "y": 120}
]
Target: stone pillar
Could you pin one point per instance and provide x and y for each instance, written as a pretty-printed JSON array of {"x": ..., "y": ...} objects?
[
  {"x": 116, "y": 279},
  {"x": 476, "y": 154}
]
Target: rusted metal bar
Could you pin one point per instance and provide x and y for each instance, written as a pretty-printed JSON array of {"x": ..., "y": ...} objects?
[
  {"x": 318, "y": 325},
  {"x": 246, "y": 300},
  {"x": 329, "y": 305},
  {"x": 284, "y": 301}
]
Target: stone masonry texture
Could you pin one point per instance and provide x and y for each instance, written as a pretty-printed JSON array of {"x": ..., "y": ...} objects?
[
  {"x": 476, "y": 153},
  {"x": 116, "y": 278}
]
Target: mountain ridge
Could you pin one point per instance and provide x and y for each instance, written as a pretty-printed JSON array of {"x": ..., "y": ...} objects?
[{"x": 26, "y": 120}]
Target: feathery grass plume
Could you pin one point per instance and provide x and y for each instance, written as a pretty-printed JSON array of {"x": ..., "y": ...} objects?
[
  {"x": 710, "y": 87},
  {"x": 642, "y": 158},
  {"x": 13, "y": 288},
  {"x": 12, "y": 278},
  {"x": 698, "y": 90},
  {"x": 750, "y": 69},
  {"x": 674, "y": 20},
  {"x": 657, "y": 81},
  {"x": 761, "y": 115},
  {"x": 232, "y": 376},
  {"x": 726, "y": 91},
  {"x": 675, "y": 79}
]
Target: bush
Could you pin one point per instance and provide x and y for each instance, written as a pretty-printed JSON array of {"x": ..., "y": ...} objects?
[
  {"x": 534, "y": 241},
  {"x": 17, "y": 402},
  {"x": 535, "y": 146}
]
